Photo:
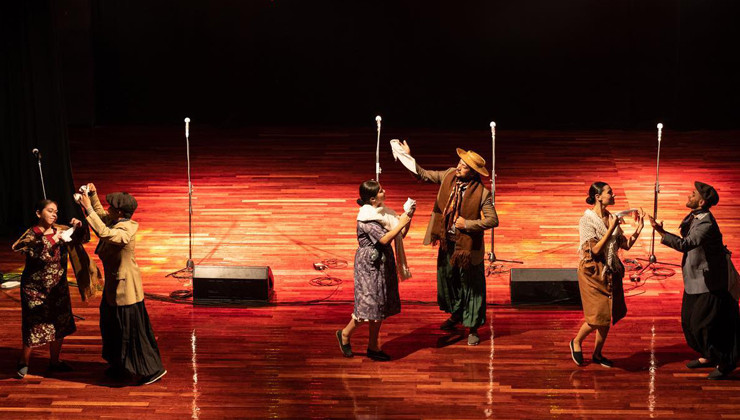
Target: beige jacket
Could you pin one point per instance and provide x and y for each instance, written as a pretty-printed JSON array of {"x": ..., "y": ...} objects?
[
  {"x": 116, "y": 250},
  {"x": 488, "y": 219}
]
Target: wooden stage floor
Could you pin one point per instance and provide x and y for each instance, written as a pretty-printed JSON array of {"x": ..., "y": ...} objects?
[{"x": 285, "y": 197}]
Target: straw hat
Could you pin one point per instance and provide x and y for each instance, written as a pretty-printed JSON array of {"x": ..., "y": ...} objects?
[{"x": 474, "y": 160}]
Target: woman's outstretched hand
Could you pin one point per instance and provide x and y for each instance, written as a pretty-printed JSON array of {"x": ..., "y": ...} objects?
[{"x": 85, "y": 201}]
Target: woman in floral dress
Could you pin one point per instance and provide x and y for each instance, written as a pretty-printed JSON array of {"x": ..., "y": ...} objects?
[
  {"x": 376, "y": 278},
  {"x": 46, "y": 309}
]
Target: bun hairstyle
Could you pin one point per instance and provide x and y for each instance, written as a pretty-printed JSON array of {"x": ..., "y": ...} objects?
[
  {"x": 41, "y": 205},
  {"x": 596, "y": 188},
  {"x": 368, "y": 190}
]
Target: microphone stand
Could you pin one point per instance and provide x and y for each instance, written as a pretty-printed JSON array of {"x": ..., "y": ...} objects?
[
  {"x": 494, "y": 268},
  {"x": 377, "y": 151},
  {"x": 652, "y": 260},
  {"x": 37, "y": 153},
  {"x": 187, "y": 271}
]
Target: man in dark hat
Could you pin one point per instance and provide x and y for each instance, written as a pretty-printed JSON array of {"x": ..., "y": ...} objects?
[
  {"x": 457, "y": 227},
  {"x": 129, "y": 345},
  {"x": 709, "y": 315}
]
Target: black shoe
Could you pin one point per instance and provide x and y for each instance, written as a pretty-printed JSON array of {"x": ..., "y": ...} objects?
[
  {"x": 717, "y": 374},
  {"x": 21, "y": 370},
  {"x": 601, "y": 360},
  {"x": 152, "y": 378},
  {"x": 450, "y": 324},
  {"x": 695, "y": 364},
  {"x": 577, "y": 356},
  {"x": 378, "y": 356},
  {"x": 721, "y": 372},
  {"x": 60, "y": 366},
  {"x": 345, "y": 348}
]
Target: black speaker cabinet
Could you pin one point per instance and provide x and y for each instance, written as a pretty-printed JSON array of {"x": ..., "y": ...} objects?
[
  {"x": 544, "y": 286},
  {"x": 213, "y": 284}
]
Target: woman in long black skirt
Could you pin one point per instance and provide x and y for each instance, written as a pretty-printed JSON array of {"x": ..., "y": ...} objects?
[{"x": 129, "y": 345}]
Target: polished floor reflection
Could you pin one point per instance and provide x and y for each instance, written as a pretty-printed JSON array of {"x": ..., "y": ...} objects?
[{"x": 259, "y": 200}]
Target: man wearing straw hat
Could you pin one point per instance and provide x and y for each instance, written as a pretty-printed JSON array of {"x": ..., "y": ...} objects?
[
  {"x": 709, "y": 314},
  {"x": 462, "y": 212}
]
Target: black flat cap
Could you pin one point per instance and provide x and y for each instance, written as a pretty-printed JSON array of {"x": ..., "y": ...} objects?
[
  {"x": 707, "y": 192},
  {"x": 122, "y": 201}
]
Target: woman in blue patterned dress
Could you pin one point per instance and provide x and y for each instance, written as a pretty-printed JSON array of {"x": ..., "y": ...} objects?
[{"x": 376, "y": 278}]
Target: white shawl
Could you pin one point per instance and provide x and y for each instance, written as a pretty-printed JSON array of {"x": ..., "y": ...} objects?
[
  {"x": 592, "y": 227},
  {"x": 389, "y": 220}
]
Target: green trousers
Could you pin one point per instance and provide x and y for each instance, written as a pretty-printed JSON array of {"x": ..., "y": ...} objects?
[{"x": 461, "y": 292}]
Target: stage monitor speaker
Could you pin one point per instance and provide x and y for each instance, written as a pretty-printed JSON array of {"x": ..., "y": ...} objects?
[
  {"x": 544, "y": 286},
  {"x": 212, "y": 284}
]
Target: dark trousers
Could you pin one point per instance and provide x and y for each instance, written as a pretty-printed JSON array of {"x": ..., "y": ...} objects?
[
  {"x": 461, "y": 291},
  {"x": 711, "y": 325}
]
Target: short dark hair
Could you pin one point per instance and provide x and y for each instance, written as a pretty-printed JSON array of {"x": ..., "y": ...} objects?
[{"x": 596, "y": 188}]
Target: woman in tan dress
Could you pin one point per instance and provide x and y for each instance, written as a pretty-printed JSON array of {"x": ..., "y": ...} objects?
[{"x": 600, "y": 271}]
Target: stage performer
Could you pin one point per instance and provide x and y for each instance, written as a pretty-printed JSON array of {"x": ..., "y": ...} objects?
[
  {"x": 709, "y": 314},
  {"x": 46, "y": 309},
  {"x": 600, "y": 271},
  {"x": 129, "y": 345},
  {"x": 462, "y": 212},
  {"x": 376, "y": 278}
]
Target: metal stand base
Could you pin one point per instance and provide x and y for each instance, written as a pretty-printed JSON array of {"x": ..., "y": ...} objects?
[{"x": 494, "y": 268}]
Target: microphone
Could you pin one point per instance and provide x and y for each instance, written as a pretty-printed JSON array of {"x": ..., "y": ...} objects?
[
  {"x": 36, "y": 153},
  {"x": 187, "y": 127}
]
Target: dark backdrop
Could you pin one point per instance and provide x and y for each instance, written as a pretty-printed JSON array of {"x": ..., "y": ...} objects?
[
  {"x": 32, "y": 115},
  {"x": 526, "y": 64}
]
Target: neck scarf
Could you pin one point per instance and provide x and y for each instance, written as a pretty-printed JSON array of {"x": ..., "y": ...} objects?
[
  {"x": 456, "y": 204},
  {"x": 389, "y": 220},
  {"x": 592, "y": 227}
]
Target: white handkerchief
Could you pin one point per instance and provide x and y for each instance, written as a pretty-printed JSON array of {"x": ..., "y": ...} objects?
[
  {"x": 624, "y": 213},
  {"x": 406, "y": 159},
  {"x": 409, "y": 206},
  {"x": 67, "y": 235}
]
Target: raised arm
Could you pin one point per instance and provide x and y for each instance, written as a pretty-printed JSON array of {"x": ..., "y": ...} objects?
[
  {"x": 403, "y": 223},
  {"x": 421, "y": 173},
  {"x": 120, "y": 234},
  {"x": 435, "y": 177},
  {"x": 613, "y": 223},
  {"x": 696, "y": 237},
  {"x": 627, "y": 243}
]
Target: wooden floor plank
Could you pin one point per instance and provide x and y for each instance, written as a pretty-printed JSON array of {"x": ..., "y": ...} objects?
[{"x": 285, "y": 197}]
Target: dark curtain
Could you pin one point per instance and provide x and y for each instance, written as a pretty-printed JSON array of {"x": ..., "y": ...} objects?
[{"x": 31, "y": 116}]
